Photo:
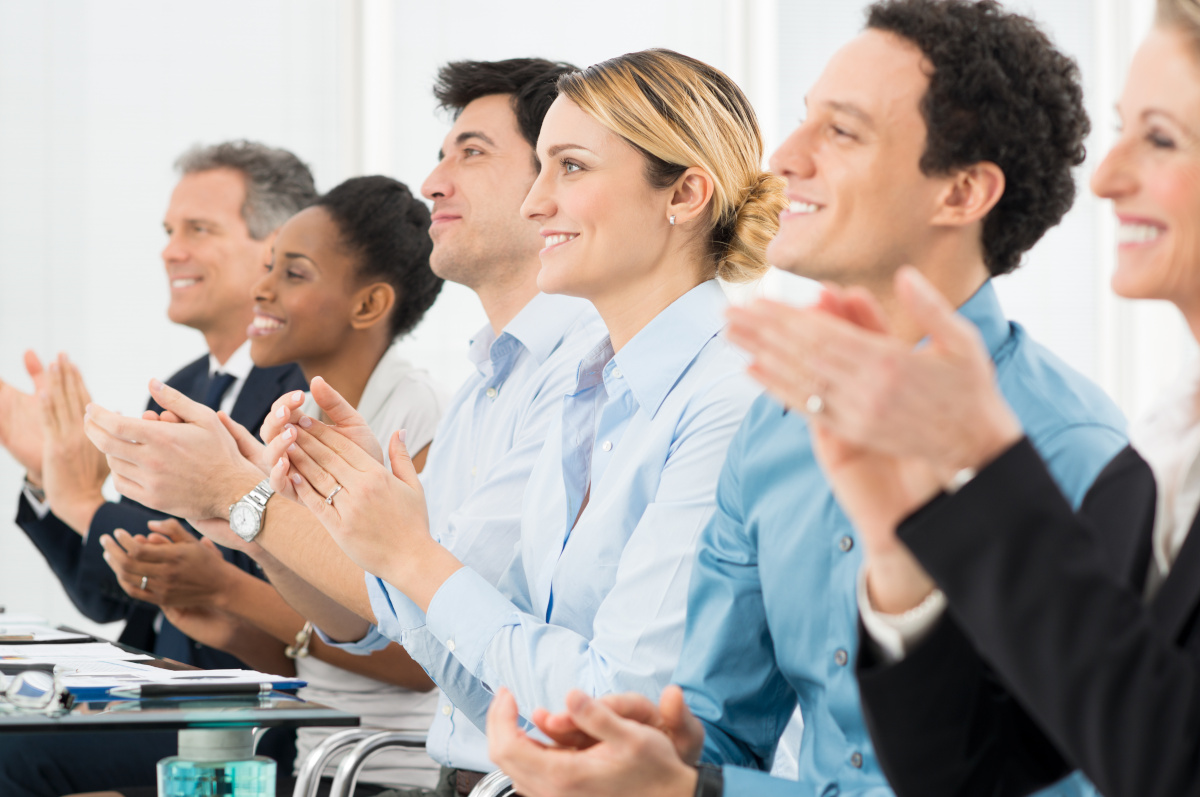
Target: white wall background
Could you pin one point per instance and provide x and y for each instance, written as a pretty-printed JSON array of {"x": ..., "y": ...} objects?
[{"x": 98, "y": 98}]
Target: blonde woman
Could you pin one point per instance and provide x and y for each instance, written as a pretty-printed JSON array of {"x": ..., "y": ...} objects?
[{"x": 650, "y": 188}]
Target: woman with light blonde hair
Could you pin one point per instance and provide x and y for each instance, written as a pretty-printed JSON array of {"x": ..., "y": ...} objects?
[{"x": 650, "y": 188}]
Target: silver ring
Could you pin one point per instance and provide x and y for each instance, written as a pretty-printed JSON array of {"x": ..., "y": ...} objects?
[
  {"x": 329, "y": 498},
  {"x": 145, "y": 579},
  {"x": 815, "y": 405}
]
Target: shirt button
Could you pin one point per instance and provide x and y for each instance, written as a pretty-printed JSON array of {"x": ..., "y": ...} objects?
[
  {"x": 856, "y": 760},
  {"x": 617, "y": 373},
  {"x": 491, "y": 392},
  {"x": 841, "y": 657},
  {"x": 447, "y": 710},
  {"x": 846, "y": 543},
  {"x": 450, "y": 645},
  {"x": 607, "y": 445}
]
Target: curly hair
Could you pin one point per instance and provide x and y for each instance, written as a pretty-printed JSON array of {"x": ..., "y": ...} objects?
[
  {"x": 382, "y": 223},
  {"x": 999, "y": 92}
]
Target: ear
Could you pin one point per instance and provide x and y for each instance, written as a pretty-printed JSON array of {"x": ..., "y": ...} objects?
[
  {"x": 970, "y": 195},
  {"x": 372, "y": 304},
  {"x": 690, "y": 195}
]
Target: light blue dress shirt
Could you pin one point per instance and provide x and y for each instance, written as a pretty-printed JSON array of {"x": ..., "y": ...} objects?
[
  {"x": 596, "y": 603},
  {"x": 772, "y": 611},
  {"x": 483, "y": 452}
]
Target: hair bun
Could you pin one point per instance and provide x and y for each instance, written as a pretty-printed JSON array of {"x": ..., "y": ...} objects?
[{"x": 754, "y": 223}]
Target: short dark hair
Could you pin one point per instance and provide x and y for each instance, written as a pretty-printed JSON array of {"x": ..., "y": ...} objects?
[
  {"x": 999, "y": 92},
  {"x": 278, "y": 184},
  {"x": 382, "y": 223},
  {"x": 532, "y": 82}
]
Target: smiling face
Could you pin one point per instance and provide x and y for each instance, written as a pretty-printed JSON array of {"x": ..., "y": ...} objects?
[
  {"x": 210, "y": 258},
  {"x": 484, "y": 170},
  {"x": 1152, "y": 174},
  {"x": 305, "y": 302},
  {"x": 860, "y": 206},
  {"x": 602, "y": 221}
]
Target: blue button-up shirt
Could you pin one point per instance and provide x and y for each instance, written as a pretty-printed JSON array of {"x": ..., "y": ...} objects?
[
  {"x": 483, "y": 452},
  {"x": 772, "y": 613},
  {"x": 596, "y": 603}
]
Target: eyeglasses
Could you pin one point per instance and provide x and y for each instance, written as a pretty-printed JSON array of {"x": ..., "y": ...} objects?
[{"x": 34, "y": 687}]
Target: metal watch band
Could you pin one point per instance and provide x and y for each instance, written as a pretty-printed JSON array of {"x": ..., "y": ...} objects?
[
  {"x": 261, "y": 493},
  {"x": 710, "y": 781}
]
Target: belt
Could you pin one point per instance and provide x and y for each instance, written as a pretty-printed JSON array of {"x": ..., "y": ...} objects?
[{"x": 465, "y": 780}]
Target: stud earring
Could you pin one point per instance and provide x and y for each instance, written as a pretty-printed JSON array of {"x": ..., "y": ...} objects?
[{"x": 672, "y": 220}]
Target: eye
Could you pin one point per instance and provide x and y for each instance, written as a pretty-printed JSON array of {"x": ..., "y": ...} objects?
[
  {"x": 1160, "y": 140},
  {"x": 294, "y": 275},
  {"x": 841, "y": 132},
  {"x": 570, "y": 166},
  {"x": 471, "y": 151}
]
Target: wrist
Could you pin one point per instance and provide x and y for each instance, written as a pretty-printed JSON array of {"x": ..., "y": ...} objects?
[
  {"x": 234, "y": 488},
  {"x": 705, "y": 780},
  {"x": 78, "y": 511},
  {"x": 33, "y": 478},
  {"x": 421, "y": 570},
  {"x": 897, "y": 583}
]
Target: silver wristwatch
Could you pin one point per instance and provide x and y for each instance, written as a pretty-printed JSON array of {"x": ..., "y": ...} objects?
[{"x": 246, "y": 516}]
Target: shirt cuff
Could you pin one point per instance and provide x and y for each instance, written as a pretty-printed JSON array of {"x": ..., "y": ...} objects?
[
  {"x": 465, "y": 615},
  {"x": 395, "y": 613},
  {"x": 40, "y": 509},
  {"x": 370, "y": 643},
  {"x": 893, "y": 635}
]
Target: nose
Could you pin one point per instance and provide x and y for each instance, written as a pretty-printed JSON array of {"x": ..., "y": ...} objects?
[
  {"x": 438, "y": 184},
  {"x": 1116, "y": 175},
  {"x": 794, "y": 156},
  {"x": 539, "y": 202},
  {"x": 174, "y": 251},
  {"x": 264, "y": 289}
]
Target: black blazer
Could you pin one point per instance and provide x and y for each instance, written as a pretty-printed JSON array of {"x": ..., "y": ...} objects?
[
  {"x": 1049, "y": 659},
  {"x": 80, "y": 566}
]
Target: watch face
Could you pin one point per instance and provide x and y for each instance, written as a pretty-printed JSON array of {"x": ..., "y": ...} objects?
[{"x": 243, "y": 520}]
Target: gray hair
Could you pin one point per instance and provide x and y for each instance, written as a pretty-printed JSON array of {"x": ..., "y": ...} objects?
[{"x": 278, "y": 184}]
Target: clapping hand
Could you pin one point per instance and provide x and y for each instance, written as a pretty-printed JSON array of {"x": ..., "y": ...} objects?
[
  {"x": 20, "y": 431},
  {"x": 73, "y": 470}
]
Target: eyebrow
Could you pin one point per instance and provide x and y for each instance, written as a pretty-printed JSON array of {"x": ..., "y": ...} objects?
[
  {"x": 557, "y": 148},
  {"x": 300, "y": 256},
  {"x": 852, "y": 110}
]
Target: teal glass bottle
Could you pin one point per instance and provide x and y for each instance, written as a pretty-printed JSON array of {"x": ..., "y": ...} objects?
[{"x": 216, "y": 762}]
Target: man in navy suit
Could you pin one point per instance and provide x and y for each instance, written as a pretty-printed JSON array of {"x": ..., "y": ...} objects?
[{"x": 221, "y": 222}]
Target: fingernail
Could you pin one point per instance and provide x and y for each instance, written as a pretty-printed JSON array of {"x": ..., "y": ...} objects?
[
  {"x": 297, "y": 397},
  {"x": 280, "y": 413},
  {"x": 54, "y": 365},
  {"x": 403, "y": 435},
  {"x": 292, "y": 447},
  {"x": 289, "y": 432},
  {"x": 279, "y": 462},
  {"x": 305, "y": 421},
  {"x": 296, "y": 478},
  {"x": 156, "y": 385}
]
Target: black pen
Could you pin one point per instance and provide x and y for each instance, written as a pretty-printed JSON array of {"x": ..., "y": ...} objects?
[{"x": 189, "y": 690}]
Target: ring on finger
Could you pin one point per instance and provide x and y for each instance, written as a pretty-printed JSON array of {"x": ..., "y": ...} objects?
[
  {"x": 329, "y": 498},
  {"x": 145, "y": 580},
  {"x": 815, "y": 405}
]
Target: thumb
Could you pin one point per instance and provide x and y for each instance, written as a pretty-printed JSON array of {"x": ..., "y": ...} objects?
[
  {"x": 248, "y": 446},
  {"x": 863, "y": 310},
  {"x": 171, "y": 399},
  {"x": 210, "y": 544},
  {"x": 33, "y": 366},
  {"x": 336, "y": 408},
  {"x": 681, "y": 724},
  {"x": 594, "y": 717},
  {"x": 931, "y": 313},
  {"x": 171, "y": 529},
  {"x": 402, "y": 465}
]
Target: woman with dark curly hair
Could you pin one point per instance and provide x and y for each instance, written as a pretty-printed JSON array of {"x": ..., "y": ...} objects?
[{"x": 1033, "y": 639}]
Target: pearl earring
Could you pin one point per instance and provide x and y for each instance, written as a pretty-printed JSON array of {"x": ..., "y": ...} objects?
[{"x": 672, "y": 220}]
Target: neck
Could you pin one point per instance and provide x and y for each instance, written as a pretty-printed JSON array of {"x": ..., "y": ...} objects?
[
  {"x": 627, "y": 310},
  {"x": 502, "y": 301},
  {"x": 223, "y": 343},
  {"x": 348, "y": 370}
]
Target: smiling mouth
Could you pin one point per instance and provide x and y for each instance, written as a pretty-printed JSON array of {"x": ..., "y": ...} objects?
[
  {"x": 798, "y": 208},
  {"x": 264, "y": 325},
  {"x": 1134, "y": 234},
  {"x": 558, "y": 240},
  {"x": 180, "y": 283}
]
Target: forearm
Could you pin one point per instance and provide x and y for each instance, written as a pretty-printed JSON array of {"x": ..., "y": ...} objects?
[
  {"x": 312, "y": 572},
  {"x": 260, "y": 650}
]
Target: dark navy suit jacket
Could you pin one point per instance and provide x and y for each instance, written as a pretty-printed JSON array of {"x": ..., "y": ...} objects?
[{"x": 80, "y": 566}]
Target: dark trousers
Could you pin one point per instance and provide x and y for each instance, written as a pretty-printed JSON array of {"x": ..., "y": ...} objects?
[{"x": 54, "y": 764}]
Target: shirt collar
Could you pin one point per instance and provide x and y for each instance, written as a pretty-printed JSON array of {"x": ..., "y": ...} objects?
[
  {"x": 382, "y": 382},
  {"x": 984, "y": 311},
  {"x": 652, "y": 362},
  {"x": 239, "y": 365},
  {"x": 539, "y": 327}
]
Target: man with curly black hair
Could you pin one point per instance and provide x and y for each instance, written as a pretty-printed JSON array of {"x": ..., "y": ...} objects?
[{"x": 944, "y": 136}]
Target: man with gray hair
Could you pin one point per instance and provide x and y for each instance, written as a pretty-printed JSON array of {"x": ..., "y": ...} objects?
[{"x": 221, "y": 221}]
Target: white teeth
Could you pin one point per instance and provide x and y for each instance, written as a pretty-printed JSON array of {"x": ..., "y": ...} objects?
[
  {"x": 1137, "y": 233},
  {"x": 184, "y": 283},
  {"x": 803, "y": 207},
  {"x": 262, "y": 322},
  {"x": 551, "y": 240}
]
